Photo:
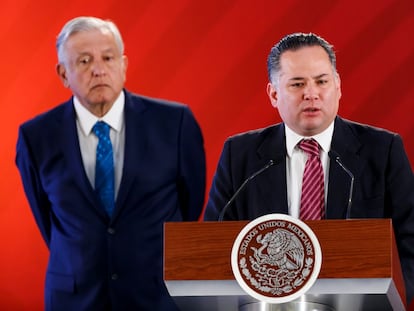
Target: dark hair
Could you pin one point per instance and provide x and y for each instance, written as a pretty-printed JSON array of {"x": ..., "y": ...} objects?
[{"x": 293, "y": 42}]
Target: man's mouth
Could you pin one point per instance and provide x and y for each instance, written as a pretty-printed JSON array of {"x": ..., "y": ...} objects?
[
  {"x": 311, "y": 109},
  {"x": 99, "y": 86}
]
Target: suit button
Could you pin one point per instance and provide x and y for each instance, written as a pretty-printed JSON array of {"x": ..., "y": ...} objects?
[
  {"x": 111, "y": 230},
  {"x": 114, "y": 277}
]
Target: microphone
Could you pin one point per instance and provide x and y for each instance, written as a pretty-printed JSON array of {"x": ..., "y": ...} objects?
[
  {"x": 334, "y": 155},
  {"x": 252, "y": 176}
]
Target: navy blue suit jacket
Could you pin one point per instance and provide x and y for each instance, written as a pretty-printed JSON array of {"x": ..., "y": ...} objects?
[
  {"x": 383, "y": 188},
  {"x": 98, "y": 263}
]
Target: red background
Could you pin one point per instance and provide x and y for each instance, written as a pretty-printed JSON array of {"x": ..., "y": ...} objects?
[{"x": 210, "y": 55}]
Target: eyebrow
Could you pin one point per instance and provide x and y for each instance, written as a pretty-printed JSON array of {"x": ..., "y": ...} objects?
[
  {"x": 109, "y": 50},
  {"x": 314, "y": 78},
  {"x": 320, "y": 76}
]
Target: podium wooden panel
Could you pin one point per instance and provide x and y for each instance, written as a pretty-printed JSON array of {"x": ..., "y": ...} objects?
[{"x": 360, "y": 265}]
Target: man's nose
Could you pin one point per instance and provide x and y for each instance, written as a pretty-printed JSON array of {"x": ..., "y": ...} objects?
[
  {"x": 310, "y": 93},
  {"x": 98, "y": 68}
]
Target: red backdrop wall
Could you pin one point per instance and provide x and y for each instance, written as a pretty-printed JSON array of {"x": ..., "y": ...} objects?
[{"x": 210, "y": 55}]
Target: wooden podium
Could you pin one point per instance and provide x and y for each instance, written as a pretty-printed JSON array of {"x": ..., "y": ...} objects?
[{"x": 360, "y": 265}]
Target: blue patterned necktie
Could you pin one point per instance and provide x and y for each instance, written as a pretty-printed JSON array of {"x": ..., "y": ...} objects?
[{"x": 104, "y": 171}]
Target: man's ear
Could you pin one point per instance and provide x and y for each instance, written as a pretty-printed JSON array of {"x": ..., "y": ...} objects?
[
  {"x": 61, "y": 71},
  {"x": 338, "y": 85},
  {"x": 272, "y": 93},
  {"x": 125, "y": 65},
  {"x": 125, "y": 61}
]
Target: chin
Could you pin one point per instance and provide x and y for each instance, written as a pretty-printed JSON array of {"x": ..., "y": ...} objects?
[
  {"x": 102, "y": 99},
  {"x": 312, "y": 130}
]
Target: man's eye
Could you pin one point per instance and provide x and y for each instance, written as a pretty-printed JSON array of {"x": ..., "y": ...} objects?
[
  {"x": 322, "y": 82},
  {"x": 84, "y": 61},
  {"x": 298, "y": 84}
]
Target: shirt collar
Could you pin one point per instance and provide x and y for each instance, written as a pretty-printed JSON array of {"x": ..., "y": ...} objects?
[
  {"x": 324, "y": 139},
  {"x": 113, "y": 117}
]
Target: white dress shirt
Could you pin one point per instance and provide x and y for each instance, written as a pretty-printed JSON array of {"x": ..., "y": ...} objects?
[
  {"x": 295, "y": 165},
  {"x": 88, "y": 141}
]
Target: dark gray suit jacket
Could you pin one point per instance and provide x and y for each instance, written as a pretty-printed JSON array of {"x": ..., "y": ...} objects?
[{"x": 383, "y": 187}]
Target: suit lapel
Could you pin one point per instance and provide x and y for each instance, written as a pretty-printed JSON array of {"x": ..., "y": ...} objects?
[
  {"x": 135, "y": 142},
  {"x": 347, "y": 145},
  {"x": 273, "y": 148},
  {"x": 72, "y": 155}
]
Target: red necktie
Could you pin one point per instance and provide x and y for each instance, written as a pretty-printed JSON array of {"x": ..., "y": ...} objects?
[{"x": 313, "y": 197}]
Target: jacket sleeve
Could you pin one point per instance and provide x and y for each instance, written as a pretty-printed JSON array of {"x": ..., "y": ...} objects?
[
  {"x": 192, "y": 179},
  {"x": 29, "y": 172},
  {"x": 221, "y": 188},
  {"x": 400, "y": 197}
]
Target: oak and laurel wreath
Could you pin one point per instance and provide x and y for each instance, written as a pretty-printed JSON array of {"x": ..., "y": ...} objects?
[{"x": 298, "y": 281}]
